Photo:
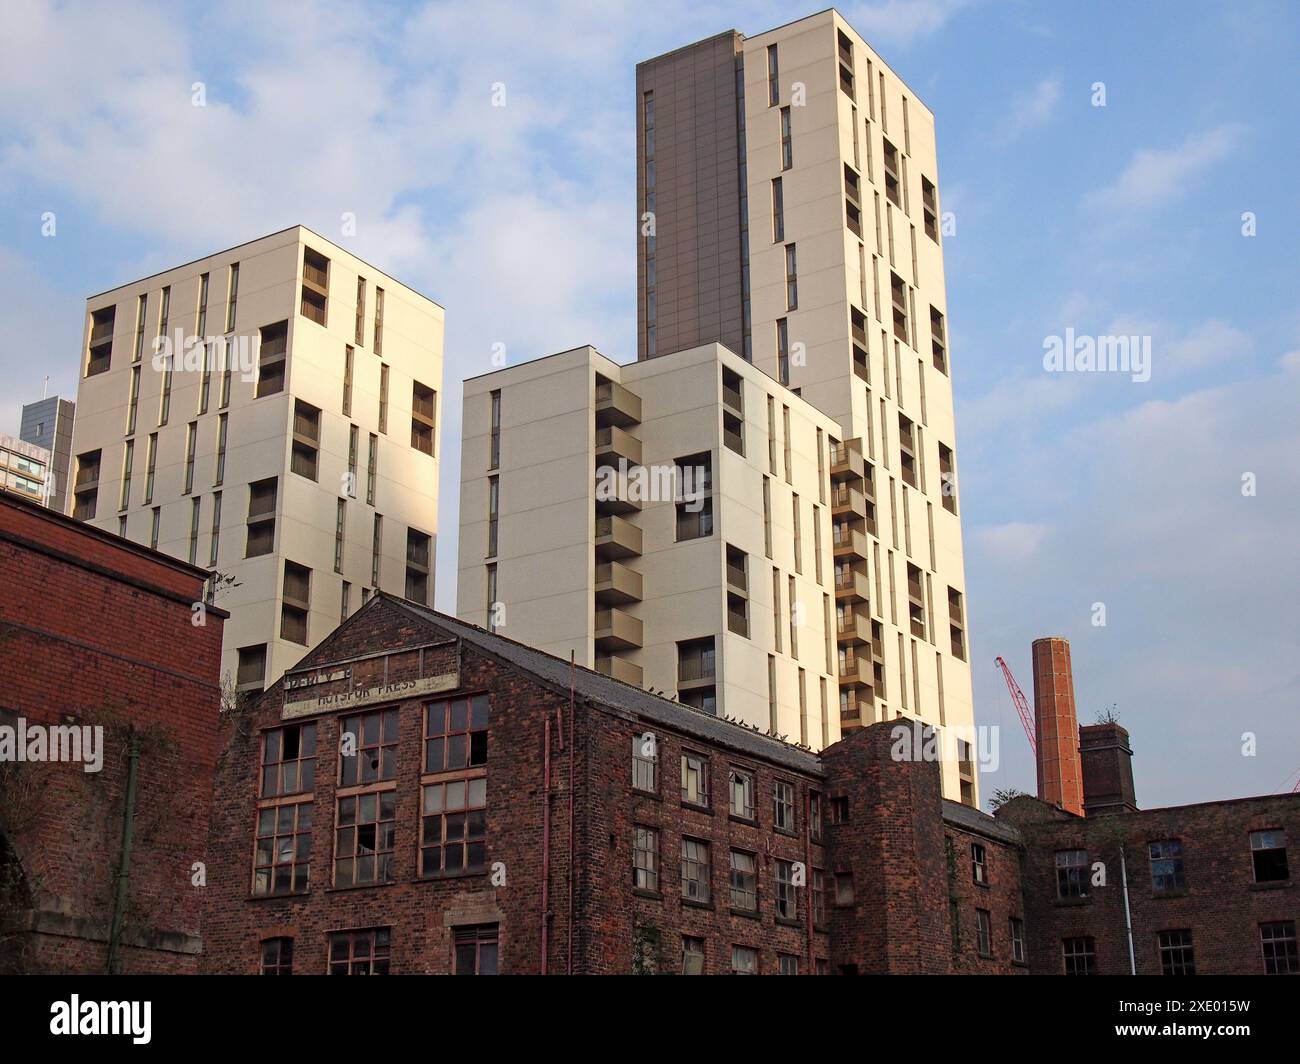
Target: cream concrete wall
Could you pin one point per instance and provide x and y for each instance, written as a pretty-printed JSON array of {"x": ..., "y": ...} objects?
[
  {"x": 830, "y": 280},
  {"x": 545, "y": 559},
  {"x": 259, "y": 432}
]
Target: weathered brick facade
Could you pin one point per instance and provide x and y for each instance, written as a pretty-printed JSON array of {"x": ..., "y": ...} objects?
[
  {"x": 1221, "y": 904},
  {"x": 897, "y": 889},
  {"x": 97, "y": 631}
]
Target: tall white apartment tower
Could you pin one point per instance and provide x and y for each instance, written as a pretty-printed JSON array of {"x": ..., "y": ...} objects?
[
  {"x": 788, "y": 192},
  {"x": 270, "y": 412},
  {"x": 665, "y": 522}
]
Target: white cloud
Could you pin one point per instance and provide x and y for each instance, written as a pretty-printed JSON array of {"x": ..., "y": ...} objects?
[
  {"x": 1157, "y": 175},
  {"x": 1031, "y": 109},
  {"x": 902, "y": 21}
]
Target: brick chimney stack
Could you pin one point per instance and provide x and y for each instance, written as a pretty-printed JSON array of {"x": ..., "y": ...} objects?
[
  {"x": 1107, "y": 769},
  {"x": 1060, "y": 778}
]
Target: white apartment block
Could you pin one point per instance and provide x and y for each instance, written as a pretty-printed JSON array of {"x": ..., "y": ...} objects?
[
  {"x": 817, "y": 253},
  {"x": 286, "y": 439},
  {"x": 707, "y": 572},
  {"x": 26, "y": 469}
]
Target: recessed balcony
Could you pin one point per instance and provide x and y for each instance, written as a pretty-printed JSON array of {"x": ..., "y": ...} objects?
[{"x": 619, "y": 669}]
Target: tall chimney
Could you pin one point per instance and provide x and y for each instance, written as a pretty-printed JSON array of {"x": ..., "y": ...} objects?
[{"x": 1060, "y": 780}]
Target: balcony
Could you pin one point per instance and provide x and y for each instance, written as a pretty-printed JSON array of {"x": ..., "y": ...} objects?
[
  {"x": 853, "y": 629},
  {"x": 617, "y": 630},
  {"x": 616, "y": 538},
  {"x": 846, "y": 501},
  {"x": 737, "y": 578},
  {"x": 695, "y": 672},
  {"x": 612, "y": 443},
  {"x": 616, "y": 584},
  {"x": 846, "y": 460},
  {"x": 613, "y": 494},
  {"x": 852, "y": 585},
  {"x": 849, "y": 542},
  {"x": 315, "y": 272},
  {"x": 731, "y": 398},
  {"x": 615, "y": 405},
  {"x": 853, "y": 669},
  {"x": 618, "y": 669}
]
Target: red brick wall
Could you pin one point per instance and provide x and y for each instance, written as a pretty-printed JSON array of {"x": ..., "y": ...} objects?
[
  {"x": 97, "y": 632},
  {"x": 1222, "y": 906},
  {"x": 999, "y": 895}
]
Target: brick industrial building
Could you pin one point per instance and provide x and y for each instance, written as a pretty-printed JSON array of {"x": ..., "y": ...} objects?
[
  {"x": 98, "y": 847},
  {"x": 420, "y": 795}
]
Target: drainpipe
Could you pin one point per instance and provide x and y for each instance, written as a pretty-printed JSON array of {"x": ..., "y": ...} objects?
[
  {"x": 546, "y": 842},
  {"x": 572, "y": 754},
  {"x": 124, "y": 865},
  {"x": 1128, "y": 916},
  {"x": 808, "y": 872}
]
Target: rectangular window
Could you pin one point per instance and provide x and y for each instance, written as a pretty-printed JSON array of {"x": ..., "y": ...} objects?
[
  {"x": 930, "y": 208},
  {"x": 1079, "y": 955},
  {"x": 359, "y": 329},
  {"x": 787, "y": 140},
  {"x": 191, "y": 444},
  {"x": 773, "y": 77},
  {"x": 202, "y": 328},
  {"x": 453, "y": 827},
  {"x": 478, "y": 950},
  {"x": 372, "y": 468},
  {"x": 261, "y": 517},
  {"x": 155, "y": 527},
  {"x": 787, "y": 905},
  {"x": 1016, "y": 929},
  {"x": 315, "y": 285},
  {"x": 226, "y": 361},
  {"x": 353, "y": 446},
  {"x": 783, "y": 810},
  {"x": 456, "y": 734},
  {"x": 345, "y": 601},
  {"x": 843, "y": 888},
  {"x": 1268, "y": 854},
  {"x": 893, "y": 183},
  {"x": 283, "y": 849},
  {"x": 99, "y": 351},
  {"x": 141, "y": 312},
  {"x": 376, "y": 550},
  {"x": 288, "y": 761},
  {"x": 252, "y": 667},
  {"x": 938, "y": 341},
  {"x": 1278, "y": 940},
  {"x": 340, "y": 522},
  {"x": 692, "y": 955},
  {"x": 494, "y": 450},
  {"x": 491, "y": 597},
  {"x": 819, "y": 897},
  {"x": 947, "y": 479},
  {"x": 360, "y": 952},
  {"x": 695, "y": 870},
  {"x": 1176, "y": 956},
  {"x": 223, "y": 428},
  {"x": 978, "y": 868},
  {"x": 778, "y": 211},
  {"x": 368, "y": 753},
  {"x": 744, "y": 960},
  {"x": 86, "y": 486},
  {"x": 272, "y": 352},
  {"x": 791, "y": 278},
  {"x": 383, "y": 398},
  {"x": 349, "y": 364},
  {"x": 417, "y": 566},
  {"x": 277, "y": 957},
  {"x": 695, "y": 780},
  {"x": 196, "y": 506},
  {"x": 744, "y": 881},
  {"x": 983, "y": 933},
  {"x": 232, "y": 296},
  {"x": 295, "y": 603},
  {"x": 645, "y": 859},
  {"x": 165, "y": 400},
  {"x": 645, "y": 764},
  {"x": 215, "y": 537},
  {"x": 128, "y": 456},
  {"x": 133, "y": 403},
  {"x": 205, "y": 376},
  {"x": 424, "y": 407},
  {"x": 782, "y": 371},
  {"x": 1167, "y": 866},
  {"x": 494, "y": 514},
  {"x": 378, "y": 346},
  {"x": 1072, "y": 874},
  {"x": 742, "y": 794}
]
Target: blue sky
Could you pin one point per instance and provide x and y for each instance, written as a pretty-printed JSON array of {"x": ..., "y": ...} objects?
[{"x": 1124, "y": 219}]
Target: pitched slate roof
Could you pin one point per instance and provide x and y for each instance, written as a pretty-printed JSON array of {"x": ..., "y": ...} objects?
[
  {"x": 968, "y": 819},
  {"x": 597, "y": 687}
]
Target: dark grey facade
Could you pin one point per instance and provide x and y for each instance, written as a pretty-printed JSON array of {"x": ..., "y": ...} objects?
[{"x": 48, "y": 424}]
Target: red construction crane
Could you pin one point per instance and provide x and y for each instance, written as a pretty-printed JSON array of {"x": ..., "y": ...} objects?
[{"x": 1022, "y": 705}]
